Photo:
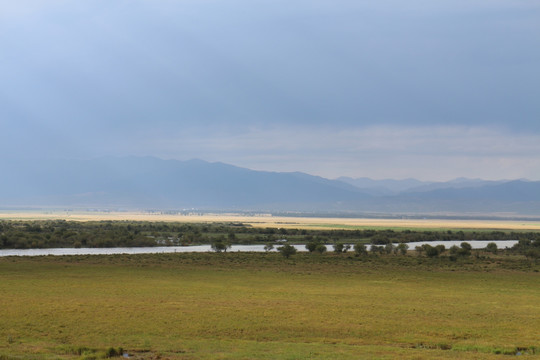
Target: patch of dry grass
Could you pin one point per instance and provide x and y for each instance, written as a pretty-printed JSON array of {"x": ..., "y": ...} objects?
[{"x": 280, "y": 221}]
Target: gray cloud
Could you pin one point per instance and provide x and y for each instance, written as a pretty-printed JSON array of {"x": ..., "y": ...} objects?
[
  {"x": 329, "y": 87},
  {"x": 433, "y": 152}
]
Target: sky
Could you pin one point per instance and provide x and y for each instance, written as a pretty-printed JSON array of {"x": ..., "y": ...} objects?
[{"x": 432, "y": 90}]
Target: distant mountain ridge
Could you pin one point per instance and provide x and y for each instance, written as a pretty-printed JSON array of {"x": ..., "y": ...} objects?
[
  {"x": 156, "y": 183},
  {"x": 147, "y": 182}
]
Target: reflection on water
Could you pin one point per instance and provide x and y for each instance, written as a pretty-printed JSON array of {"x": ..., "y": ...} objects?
[
  {"x": 476, "y": 244},
  {"x": 206, "y": 248}
]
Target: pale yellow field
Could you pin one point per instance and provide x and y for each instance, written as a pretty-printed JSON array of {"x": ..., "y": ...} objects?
[{"x": 278, "y": 221}]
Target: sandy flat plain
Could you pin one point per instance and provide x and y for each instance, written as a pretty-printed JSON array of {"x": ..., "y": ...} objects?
[{"x": 275, "y": 221}]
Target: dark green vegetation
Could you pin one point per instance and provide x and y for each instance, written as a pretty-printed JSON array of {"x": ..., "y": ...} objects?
[
  {"x": 50, "y": 234},
  {"x": 265, "y": 306},
  {"x": 287, "y": 250}
]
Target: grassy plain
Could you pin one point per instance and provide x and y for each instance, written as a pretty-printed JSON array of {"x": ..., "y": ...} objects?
[
  {"x": 281, "y": 221},
  {"x": 263, "y": 306}
]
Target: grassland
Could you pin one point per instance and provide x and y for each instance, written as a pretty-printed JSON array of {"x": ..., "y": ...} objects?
[
  {"x": 263, "y": 306},
  {"x": 281, "y": 221}
]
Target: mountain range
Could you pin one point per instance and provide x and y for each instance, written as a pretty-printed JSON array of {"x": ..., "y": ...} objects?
[{"x": 152, "y": 183}]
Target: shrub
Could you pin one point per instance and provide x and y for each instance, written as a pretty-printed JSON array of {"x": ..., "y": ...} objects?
[
  {"x": 287, "y": 250},
  {"x": 341, "y": 248},
  {"x": 492, "y": 248},
  {"x": 312, "y": 246},
  {"x": 321, "y": 248},
  {"x": 402, "y": 248},
  {"x": 465, "y": 249},
  {"x": 338, "y": 248},
  {"x": 220, "y": 245},
  {"x": 360, "y": 249},
  {"x": 112, "y": 352},
  {"x": 441, "y": 248},
  {"x": 431, "y": 251},
  {"x": 454, "y": 250},
  {"x": 533, "y": 254},
  {"x": 389, "y": 248}
]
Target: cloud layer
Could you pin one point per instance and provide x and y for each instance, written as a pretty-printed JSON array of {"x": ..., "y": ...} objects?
[
  {"x": 430, "y": 153},
  {"x": 360, "y": 88}
]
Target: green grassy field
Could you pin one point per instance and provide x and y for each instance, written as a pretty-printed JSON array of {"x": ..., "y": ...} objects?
[{"x": 263, "y": 306}]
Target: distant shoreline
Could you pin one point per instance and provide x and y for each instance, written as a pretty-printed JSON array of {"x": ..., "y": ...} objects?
[{"x": 267, "y": 220}]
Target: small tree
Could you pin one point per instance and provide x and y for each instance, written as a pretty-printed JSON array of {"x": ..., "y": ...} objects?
[
  {"x": 431, "y": 251},
  {"x": 441, "y": 248},
  {"x": 338, "y": 248},
  {"x": 465, "y": 249},
  {"x": 312, "y": 246},
  {"x": 268, "y": 247},
  {"x": 402, "y": 248},
  {"x": 287, "y": 250},
  {"x": 389, "y": 248},
  {"x": 220, "y": 245},
  {"x": 376, "y": 249},
  {"x": 321, "y": 248},
  {"x": 492, "y": 248},
  {"x": 360, "y": 249}
]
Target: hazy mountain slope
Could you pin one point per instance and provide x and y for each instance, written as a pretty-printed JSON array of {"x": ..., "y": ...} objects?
[
  {"x": 154, "y": 182},
  {"x": 459, "y": 183},
  {"x": 383, "y": 187},
  {"x": 145, "y": 182},
  {"x": 520, "y": 197},
  {"x": 517, "y": 190}
]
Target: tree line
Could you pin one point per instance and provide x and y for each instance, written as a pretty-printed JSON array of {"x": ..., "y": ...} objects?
[{"x": 61, "y": 233}]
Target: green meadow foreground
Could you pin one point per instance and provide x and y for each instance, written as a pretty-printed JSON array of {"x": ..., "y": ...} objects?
[{"x": 263, "y": 306}]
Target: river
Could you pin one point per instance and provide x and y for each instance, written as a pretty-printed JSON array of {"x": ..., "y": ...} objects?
[{"x": 206, "y": 248}]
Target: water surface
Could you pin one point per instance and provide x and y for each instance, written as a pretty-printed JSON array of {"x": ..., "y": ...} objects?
[{"x": 206, "y": 248}]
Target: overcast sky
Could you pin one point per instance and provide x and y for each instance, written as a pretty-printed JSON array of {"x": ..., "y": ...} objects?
[{"x": 384, "y": 89}]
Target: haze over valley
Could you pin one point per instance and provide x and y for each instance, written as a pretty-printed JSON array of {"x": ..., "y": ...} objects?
[{"x": 152, "y": 183}]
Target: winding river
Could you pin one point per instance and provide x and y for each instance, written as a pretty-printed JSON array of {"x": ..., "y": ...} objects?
[{"x": 206, "y": 248}]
